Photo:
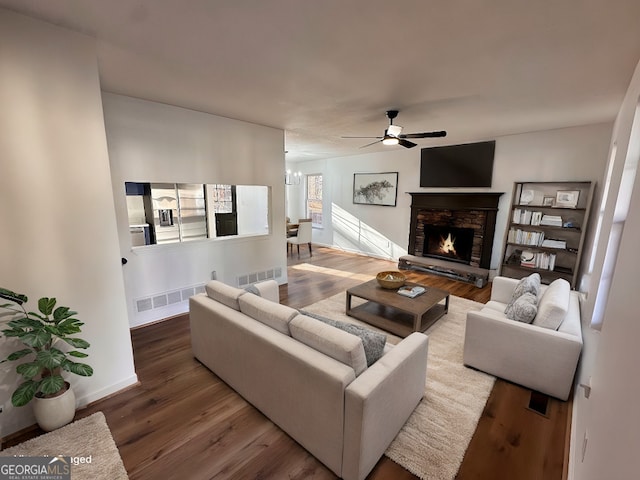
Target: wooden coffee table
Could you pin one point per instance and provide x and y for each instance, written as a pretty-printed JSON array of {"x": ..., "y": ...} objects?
[{"x": 395, "y": 313}]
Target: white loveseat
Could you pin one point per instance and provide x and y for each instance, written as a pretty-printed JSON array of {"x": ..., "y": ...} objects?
[
  {"x": 537, "y": 357},
  {"x": 316, "y": 389}
]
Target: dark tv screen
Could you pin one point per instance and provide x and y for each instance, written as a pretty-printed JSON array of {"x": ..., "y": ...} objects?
[{"x": 467, "y": 165}]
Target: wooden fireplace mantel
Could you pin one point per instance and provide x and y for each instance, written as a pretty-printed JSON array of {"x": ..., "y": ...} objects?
[{"x": 456, "y": 200}]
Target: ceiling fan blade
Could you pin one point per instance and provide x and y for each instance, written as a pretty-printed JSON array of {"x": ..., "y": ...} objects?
[
  {"x": 364, "y": 137},
  {"x": 406, "y": 143},
  {"x": 424, "y": 135},
  {"x": 372, "y": 143}
]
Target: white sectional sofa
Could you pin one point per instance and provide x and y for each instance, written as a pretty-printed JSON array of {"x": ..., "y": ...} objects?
[
  {"x": 542, "y": 355},
  {"x": 309, "y": 378}
]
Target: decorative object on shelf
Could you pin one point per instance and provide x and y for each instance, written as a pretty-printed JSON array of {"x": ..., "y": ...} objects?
[
  {"x": 527, "y": 196},
  {"x": 567, "y": 198},
  {"x": 375, "y": 188},
  {"x": 292, "y": 178},
  {"x": 548, "y": 201},
  {"x": 391, "y": 279},
  {"x": 43, "y": 334}
]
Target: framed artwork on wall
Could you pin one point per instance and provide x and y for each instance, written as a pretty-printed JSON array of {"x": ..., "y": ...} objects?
[{"x": 375, "y": 188}]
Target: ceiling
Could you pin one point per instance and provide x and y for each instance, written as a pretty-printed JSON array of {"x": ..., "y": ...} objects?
[{"x": 325, "y": 69}]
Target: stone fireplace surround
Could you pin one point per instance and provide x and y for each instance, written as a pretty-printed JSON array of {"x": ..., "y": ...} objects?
[{"x": 474, "y": 210}]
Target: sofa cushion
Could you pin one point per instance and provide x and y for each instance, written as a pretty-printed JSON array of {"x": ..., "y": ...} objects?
[
  {"x": 524, "y": 309},
  {"x": 553, "y": 305},
  {"x": 273, "y": 314},
  {"x": 372, "y": 341},
  {"x": 529, "y": 284},
  {"x": 225, "y": 294},
  {"x": 333, "y": 342}
]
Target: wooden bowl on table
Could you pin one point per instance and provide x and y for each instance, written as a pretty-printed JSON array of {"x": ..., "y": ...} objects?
[{"x": 391, "y": 279}]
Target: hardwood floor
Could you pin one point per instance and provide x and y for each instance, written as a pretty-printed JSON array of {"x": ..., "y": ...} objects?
[{"x": 183, "y": 422}]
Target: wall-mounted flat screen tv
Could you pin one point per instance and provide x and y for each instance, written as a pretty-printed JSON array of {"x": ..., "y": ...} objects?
[{"x": 466, "y": 165}]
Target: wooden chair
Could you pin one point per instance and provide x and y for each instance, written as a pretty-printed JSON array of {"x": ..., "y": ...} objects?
[{"x": 303, "y": 236}]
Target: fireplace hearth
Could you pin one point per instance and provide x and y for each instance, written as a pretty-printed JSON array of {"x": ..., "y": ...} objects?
[{"x": 452, "y": 234}]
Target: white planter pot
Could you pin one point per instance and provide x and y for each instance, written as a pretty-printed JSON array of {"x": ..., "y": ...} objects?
[{"x": 52, "y": 413}]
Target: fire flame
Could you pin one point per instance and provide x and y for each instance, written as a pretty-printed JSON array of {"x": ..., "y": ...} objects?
[{"x": 447, "y": 245}]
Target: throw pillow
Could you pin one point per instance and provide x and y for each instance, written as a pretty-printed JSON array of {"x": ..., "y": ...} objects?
[
  {"x": 530, "y": 284},
  {"x": 372, "y": 341},
  {"x": 253, "y": 289},
  {"x": 524, "y": 309},
  {"x": 554, "y": 304}
]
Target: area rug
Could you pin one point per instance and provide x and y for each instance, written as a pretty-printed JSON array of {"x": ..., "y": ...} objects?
[
  {"x": 89, "y": 439},
  {"x": 432, "y": 443}
]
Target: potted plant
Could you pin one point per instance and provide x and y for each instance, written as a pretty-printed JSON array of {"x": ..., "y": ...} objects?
[{"x": 44, "y": 335}]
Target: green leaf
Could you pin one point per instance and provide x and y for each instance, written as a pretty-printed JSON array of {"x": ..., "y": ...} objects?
[
  {"x": 45, "y": 305},
  {"x": 51, "y": 359},
  {"x": 13, "y": 296},
  {"x": 24, "y": 322},
  {"x": 69, "y": 326},
  {"x": 79, "y": 369},
  {"x": 52, "y": 384},
  {"x": 62, "y": 313},
  {"x": 77, "y": 342},
  {"x": 24, "y": 393},
  {"x": 8, "y": 305},
  {"x": 75, "y": 353},
  {"x": 13, "y": 332},
  {"x": 29, "y": 370},
  {"x": 37, "y": 315},
  {"x": 19, "y": 354},
  {"x": 36, "y": 339}
]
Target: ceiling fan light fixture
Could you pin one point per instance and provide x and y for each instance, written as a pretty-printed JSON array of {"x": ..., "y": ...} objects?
[
  {"x": 394, "y": 130},
  {"x": 389, "y": 140}
]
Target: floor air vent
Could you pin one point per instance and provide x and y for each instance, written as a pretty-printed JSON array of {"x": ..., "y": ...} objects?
[{"x": 539, "y": 402}]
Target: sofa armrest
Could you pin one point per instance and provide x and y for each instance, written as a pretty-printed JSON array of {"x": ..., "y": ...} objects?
[
  {"x": 379, "y": 402},
  {"x": 502, "y": 288},
  {"x": 538, "y": 358},
  {"x": 269, "y": 289}
]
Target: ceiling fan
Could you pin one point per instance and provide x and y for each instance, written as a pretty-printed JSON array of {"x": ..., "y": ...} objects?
[{"x": 393, "y": 134}]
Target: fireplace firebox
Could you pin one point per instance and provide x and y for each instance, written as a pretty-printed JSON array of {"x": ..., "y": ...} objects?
[{"x": 449, "y": 243}]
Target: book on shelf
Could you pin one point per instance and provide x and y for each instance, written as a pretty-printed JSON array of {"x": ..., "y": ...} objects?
[
  {"x": 541, "y": 260},
  {"x": 553, "y": 243},
  {"x": 525, "y": 237},
  {"x": 526, "y": 217},
  {"x": 551, "y": 220}
]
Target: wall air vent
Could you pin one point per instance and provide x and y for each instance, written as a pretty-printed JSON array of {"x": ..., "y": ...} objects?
[
  {"x": 160, "y": 301},
  {"x": 174, "y": 297},
  {"x": 144, "y": 304},
  {"x": 188, "y": 292},
  {"x": 167, "y": 299},
  {"x": 251, "y": 278}
]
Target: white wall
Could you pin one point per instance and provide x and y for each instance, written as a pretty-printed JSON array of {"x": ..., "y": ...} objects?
[
  {"x": 152, "y": 142},
  {"x": 609, "y": 418},
  {"x": 59, "y": 234},
  {"x": 577, "y": 153}
]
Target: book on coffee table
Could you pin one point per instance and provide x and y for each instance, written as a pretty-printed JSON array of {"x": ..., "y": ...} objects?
[{"x": 411, "y": 292}]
